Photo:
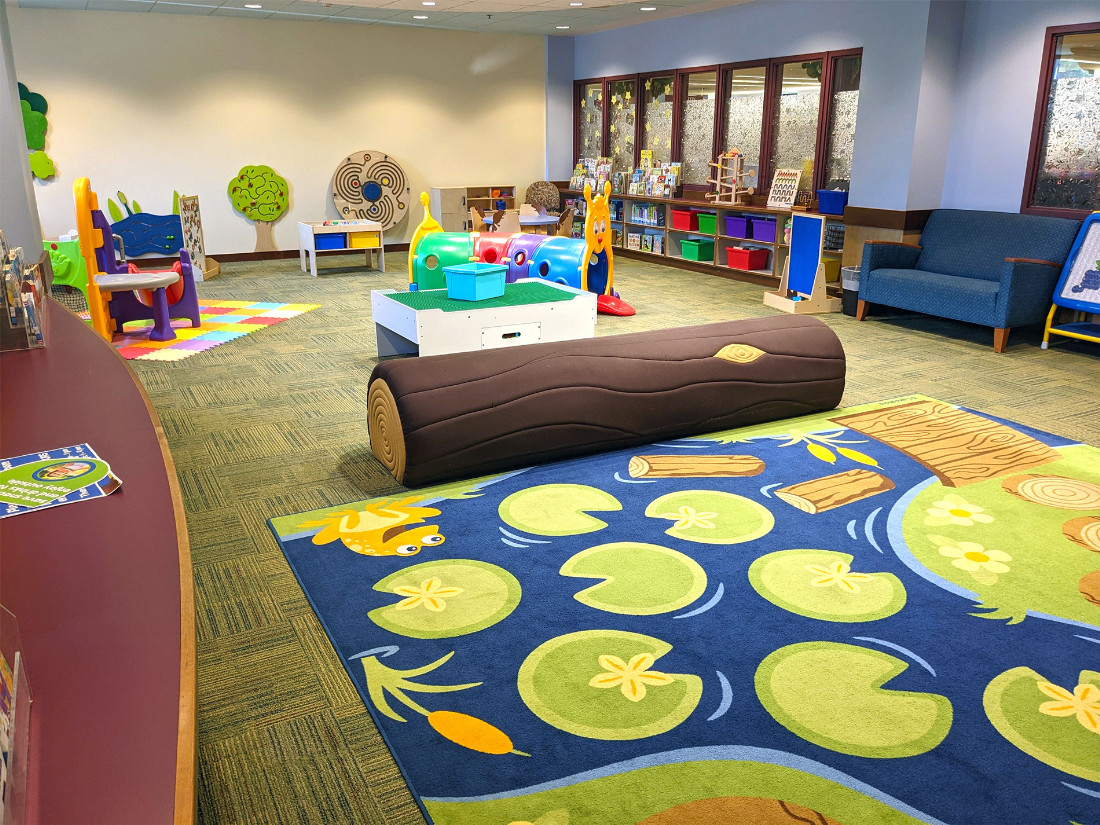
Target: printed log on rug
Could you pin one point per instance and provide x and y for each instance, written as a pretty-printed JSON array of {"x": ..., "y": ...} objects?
[
  {"x": 472, "y": 413},
  {"x": 694, "y": 466},
  {"x": 958, "y": 446},
  {"x": 830, "y": 492}
]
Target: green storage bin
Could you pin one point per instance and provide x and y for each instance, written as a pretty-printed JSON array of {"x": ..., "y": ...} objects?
[
  {"x": 698, "y": 250},
  {"x": 707, "y": 222}
]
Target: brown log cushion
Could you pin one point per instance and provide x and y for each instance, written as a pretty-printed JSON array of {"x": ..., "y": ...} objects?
[{"x": 472, "y": 413}]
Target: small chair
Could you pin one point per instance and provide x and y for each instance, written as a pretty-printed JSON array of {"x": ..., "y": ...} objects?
[
  {"x": 498, "y": 216},
  {"x": 565, "y": 224},
  {"x": 121, "y": 282},
  {"x": 509, "y": 223},
  {"x": 477, "y": 220}
]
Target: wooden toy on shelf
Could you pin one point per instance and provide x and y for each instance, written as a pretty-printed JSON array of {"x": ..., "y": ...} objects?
[{"x": 729, "y": 174}]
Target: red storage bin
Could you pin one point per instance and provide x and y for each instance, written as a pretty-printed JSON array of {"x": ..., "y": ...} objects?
[
  {"x": 685, "y": 219},
  {"x": 746, "y": 258}
]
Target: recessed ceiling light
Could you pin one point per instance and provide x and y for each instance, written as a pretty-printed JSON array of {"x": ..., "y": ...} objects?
[
  {"x": 253, "y": 6},
  {"x": 576, "y": 4},
  {"x": 649, "y": 8},
  {"x": 561, "y": 27},
  {"x": 420, "y": 17},
  {"x": 428, "y": 3}
]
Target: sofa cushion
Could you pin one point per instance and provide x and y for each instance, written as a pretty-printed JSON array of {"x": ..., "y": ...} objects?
[
  {"x": 974, "y": 244},
  {"x": 949, "y": 296}
]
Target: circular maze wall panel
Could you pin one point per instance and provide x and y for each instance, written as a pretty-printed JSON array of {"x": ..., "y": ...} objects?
[{"x": 371, "y": 186}]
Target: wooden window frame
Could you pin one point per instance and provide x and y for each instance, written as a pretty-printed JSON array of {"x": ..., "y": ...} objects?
[
  {"x": 772, "y": 88},
  {"x": 1039, "y": 122}
]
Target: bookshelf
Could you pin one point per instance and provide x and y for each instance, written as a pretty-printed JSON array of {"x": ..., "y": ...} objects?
[
  {"x": 639, "y": 215},
  {"x": 450, "y": 205}
]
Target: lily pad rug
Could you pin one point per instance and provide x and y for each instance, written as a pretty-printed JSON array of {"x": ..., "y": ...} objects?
[{"x": 881, "y": 614}]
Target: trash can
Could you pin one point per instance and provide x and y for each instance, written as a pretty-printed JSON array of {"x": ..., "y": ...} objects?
[{"x": 849, "y": 283}]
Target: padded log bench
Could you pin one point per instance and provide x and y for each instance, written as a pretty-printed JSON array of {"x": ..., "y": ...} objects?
[{"x": 466, "y": 414}]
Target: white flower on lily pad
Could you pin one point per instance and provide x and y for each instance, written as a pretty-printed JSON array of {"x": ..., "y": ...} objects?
[
  {"x": 690, "y": 517},
  {"x": 630, "y": 677},
  {"x": 984, "y": 565},
  {"x": 954, "y": 509}
]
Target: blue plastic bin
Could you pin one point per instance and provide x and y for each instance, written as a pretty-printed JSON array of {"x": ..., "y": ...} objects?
[
  {"x": 331, "y": 240},
  {"x": 475, "y": 281},
  {"x": 737, "y": 226},
  {"x": 762, "y": 229},
  {"x": 831, "y": 201}
]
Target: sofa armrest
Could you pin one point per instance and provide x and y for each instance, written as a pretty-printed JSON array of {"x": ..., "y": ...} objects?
[
  {"x": 888, "y": 255},
  {"x": 1026, "y": 291}
]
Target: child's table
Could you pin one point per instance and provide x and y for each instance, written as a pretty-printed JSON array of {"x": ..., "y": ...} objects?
[
  {"x": 531, "y": 311},
  {"x": 345, "y": 235}
]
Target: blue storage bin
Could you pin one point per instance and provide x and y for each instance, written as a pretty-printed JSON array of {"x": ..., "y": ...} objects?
[
  {"x": 475, "y": 281},
  {"x": 831, "y": 202},
  {"x": 331, "y": 240}
]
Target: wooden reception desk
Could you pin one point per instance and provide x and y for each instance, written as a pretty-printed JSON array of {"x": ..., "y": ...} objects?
[{"x": 103, "y": 594}]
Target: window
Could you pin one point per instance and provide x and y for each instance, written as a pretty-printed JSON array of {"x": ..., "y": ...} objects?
[
  {"x": 843, "y": 104},
  {"x": 621, "y": 108},
  {"x": 657, "y": 98},
  {"x": 697, "y": 125},
  {"x": 795, "y": 114},
  {"x": 743, "y": 115},
  {"x": 1063, "y": 171},
  {"x": 786, "y": 112},
  {"x": 590, "y": 120}
]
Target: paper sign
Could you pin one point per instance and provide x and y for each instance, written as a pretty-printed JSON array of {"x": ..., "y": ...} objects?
[{"x": 53, "y": 477}]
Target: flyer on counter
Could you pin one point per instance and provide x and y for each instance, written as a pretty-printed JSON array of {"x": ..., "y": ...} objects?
[{"x": 53, "y": 477}]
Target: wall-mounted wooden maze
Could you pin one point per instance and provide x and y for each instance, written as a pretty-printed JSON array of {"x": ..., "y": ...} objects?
[{"x": 371, "y": 186}]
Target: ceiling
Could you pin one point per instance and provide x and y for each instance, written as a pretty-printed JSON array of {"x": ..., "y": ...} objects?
[{"x": 555, "y": 17}]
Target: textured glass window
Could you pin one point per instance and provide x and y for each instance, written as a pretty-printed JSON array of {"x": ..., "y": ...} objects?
[
  {"x": 1068, "y": 175},
  {"x": 657, "y": 112},
  {"x": 591, "y": 119},
  {"x": 794, "y": 121},
  {"x": 842, "y": 121},
  {"x": 624, "y": 103},
  {"x": 744, "y": 116},
  {"x": 697, "y": 126}
]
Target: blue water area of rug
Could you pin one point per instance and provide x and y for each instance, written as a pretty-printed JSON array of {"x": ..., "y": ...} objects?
[{"x": 975, "y": 775}]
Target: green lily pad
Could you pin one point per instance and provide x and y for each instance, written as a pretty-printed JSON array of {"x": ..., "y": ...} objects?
[
  {"x": 840, "y": 595},
  {"x": 831, "y": 694},
  {"x": 557, "y": 509},
  {"x": 555, "y": 683},
  {"x": 712, "y": 517},
  {"x": 1012, "y": 703},
  {"x": 487, "y": 595},
  {"x": 638, "y": 579}
]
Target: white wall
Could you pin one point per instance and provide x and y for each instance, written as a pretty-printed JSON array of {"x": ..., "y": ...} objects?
[
  {"x": 892, "y": 34},
  {"x": 995, "y": 102},
  {"x": 18, "y": 212},
  {"x": 165, "y": 101}
]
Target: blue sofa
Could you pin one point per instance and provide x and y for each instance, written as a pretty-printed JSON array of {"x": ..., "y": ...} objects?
[{"x": 991, "y": 268}]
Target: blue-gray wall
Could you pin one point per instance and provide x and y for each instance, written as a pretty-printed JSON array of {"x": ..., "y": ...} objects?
[
  {"x": 947, "y": 91},
  {"x": 559, "y": 107}
]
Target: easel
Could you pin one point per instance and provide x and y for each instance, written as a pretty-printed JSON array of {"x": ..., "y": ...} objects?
[
  {"x": 729, "y": 172},
  {"x": 802, "y": 289},
  {"x": 1079, "y": 286}
]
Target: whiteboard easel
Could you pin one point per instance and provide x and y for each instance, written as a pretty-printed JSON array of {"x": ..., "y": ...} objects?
[{"x": 802, "y": 288}]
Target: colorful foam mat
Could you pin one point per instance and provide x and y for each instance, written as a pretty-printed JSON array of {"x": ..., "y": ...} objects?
[
  {"x": 221, "y": 321},
  {"x": 881, "y": 614}
]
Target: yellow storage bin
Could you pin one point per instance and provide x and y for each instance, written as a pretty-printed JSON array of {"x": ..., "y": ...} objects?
[
  {"x": 362, "y": 240},
  {"x": 832, "y": 269}
]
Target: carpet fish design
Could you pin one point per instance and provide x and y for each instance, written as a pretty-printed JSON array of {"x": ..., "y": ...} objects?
[{"x": 883, "y": 614}]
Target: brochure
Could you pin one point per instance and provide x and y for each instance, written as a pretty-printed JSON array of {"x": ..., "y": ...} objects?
[{"x": 53, "y": 477}]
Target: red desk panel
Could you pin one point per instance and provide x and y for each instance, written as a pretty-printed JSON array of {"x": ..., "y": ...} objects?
[{"x": 102, "y": 590}]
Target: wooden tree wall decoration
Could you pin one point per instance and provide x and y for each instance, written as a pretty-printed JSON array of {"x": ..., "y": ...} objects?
[{"x": 260, "y": 194}]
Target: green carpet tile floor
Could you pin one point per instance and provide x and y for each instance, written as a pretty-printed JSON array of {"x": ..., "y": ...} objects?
[{"x": 275, "y": 423}]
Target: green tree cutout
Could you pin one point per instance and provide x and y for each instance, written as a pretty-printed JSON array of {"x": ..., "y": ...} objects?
[
  {"x": 260, "y": 194},
  {"x": 35, "y": 124}
]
